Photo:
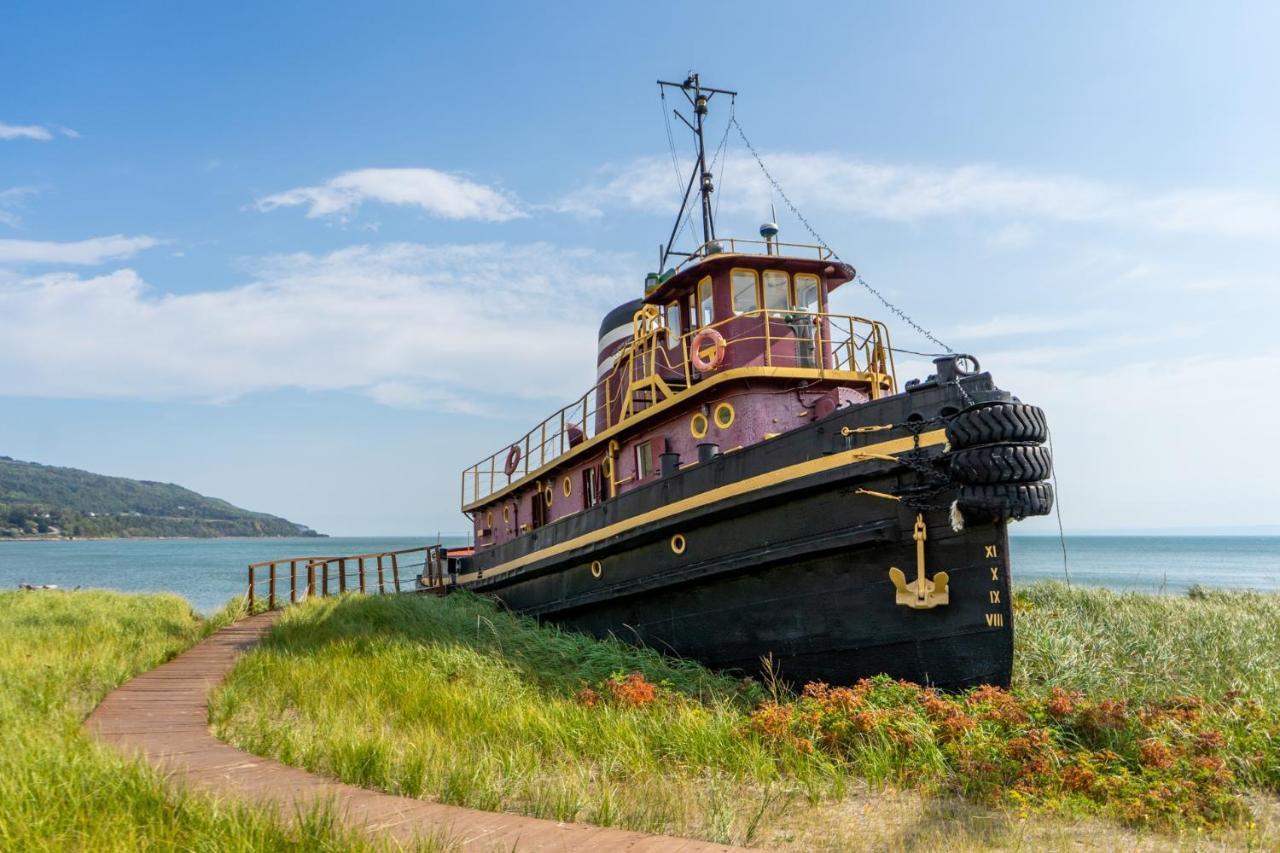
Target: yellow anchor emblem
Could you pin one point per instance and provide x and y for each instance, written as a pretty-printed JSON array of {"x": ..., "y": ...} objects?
[{"x": 922, "y": 593}]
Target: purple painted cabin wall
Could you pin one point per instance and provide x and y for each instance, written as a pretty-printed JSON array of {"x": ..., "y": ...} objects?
[{"x": 758, "y": 411}]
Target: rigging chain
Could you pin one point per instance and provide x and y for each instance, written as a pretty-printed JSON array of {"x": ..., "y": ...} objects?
[{"x": 823, "y": 243}]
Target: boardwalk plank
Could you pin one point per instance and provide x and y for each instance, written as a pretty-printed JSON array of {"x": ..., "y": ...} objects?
[{"x": 162, "y": 716}]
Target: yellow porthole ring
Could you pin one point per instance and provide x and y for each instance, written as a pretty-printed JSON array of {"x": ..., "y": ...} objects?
[
  {"x": 549, "y": 494},
  {"x": 488, "y": 519},
  {"x": 596, "y": 569},
  {"x": 698, "y": 425},
  {"x": 724, "y": 415},
  {"x": 567, "y": 486},
  {"x": 607, "y": 467},
  {"x": 678, "y": 544},
  {"x": 506, "y": 513}
]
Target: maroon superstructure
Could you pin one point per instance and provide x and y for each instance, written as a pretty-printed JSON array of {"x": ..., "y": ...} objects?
[{"x": 784, "y": 362}]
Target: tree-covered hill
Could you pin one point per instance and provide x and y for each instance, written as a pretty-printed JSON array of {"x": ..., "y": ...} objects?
[{"x": 43, "y": 500}]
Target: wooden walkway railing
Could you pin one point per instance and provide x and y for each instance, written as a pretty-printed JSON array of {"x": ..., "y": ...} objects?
[{"x": 314, "y": 576}]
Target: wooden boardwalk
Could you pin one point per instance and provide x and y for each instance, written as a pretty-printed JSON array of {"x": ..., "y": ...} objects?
[{"x": 163, "y": 715}]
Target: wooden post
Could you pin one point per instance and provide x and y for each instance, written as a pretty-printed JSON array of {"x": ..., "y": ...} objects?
[
  {"x": 293, "y": 581},
  {"x": 395, "y": 572},
  {"x": 271, "y": 587},
  {"x": 342, "y": 576},
  {"x": 325, "y": 580},
  {"x": 382, "y": 583},
  {"x": 362, "y": 575},
  {"x": 251, "y": 589},
  {"x": 311, "y": 580}
]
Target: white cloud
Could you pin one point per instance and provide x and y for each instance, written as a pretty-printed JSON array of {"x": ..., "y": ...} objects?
[
  {"x": 438, "y": 193},
  {"x": 449, "y": 327},
  {"x": 906, "y": 193},
  {"x": 38, "y": 132},
  {"x": 30, "y": 131},
  {"x": 95, "y": 250},
  {"x": 10, "y": 199}
]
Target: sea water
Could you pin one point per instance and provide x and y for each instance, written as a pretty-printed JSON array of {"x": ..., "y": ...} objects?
[{"x": 210, "y": 571}]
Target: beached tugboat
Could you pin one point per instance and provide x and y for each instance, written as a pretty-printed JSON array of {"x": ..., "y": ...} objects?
[{"x": 747, "y": 480}]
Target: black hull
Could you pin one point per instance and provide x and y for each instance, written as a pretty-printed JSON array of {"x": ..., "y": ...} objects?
[{"x": 785, "y": 554}]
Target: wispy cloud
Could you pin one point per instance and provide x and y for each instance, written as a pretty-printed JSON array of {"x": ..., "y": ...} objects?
[
  {"x": 38, "y": 132},
  {"x": 95, "y": 250},
  {"x": 10, "y": 200},
  {"x": 906, "y": 193},
  {"x": 405, "y": 324},
  {"x": 438, "y": 193}
]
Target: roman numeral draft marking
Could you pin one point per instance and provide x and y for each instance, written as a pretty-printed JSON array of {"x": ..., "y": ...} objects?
[
  {"x": 992, "y": 553},
  {"x": 995, "y": 596},
  {"x": 995, "y": 620}
]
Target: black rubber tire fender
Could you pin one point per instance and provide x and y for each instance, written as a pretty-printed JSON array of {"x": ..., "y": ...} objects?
[
  {"x": 1004, "y": 501},
  {"x": 1002, "y": 463},
  {"x": 998, "y": 423}
]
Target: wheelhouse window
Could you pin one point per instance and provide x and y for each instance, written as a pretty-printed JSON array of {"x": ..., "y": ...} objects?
[
  {"x": 807, "y": 292},
  {"x": 693, "y": 311},
  {"x": 707, "y": 309},
  {"x": 673, "y": 320},
  {"x": 644, "y": 460},
  {"x": 745, "y": 297},
  {"x": 777, "y": 292}
]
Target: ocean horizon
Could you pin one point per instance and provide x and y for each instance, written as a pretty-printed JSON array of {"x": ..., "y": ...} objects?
[{"x": 208, "y": 572}]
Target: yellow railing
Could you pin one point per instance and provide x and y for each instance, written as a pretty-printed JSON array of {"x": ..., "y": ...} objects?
[{"x": 650, "y": 366}]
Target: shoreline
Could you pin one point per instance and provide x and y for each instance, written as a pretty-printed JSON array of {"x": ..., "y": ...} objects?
[{"x": 155, "y": 538}]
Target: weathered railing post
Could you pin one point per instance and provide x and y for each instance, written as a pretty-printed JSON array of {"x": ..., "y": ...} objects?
[
  {"x": 361, "y": 561},
  {"x": 382, "y": 583},
  {"x": 325, "y": 579},
  {"x": 250, "y": 589},
  {"x": 271, "y": 587},
  {"x": 395, "y": 572},
  {"x": 311, "y": 580},
  {"x": 342, "y": 576},
  {"x": 293, "y": 581}
]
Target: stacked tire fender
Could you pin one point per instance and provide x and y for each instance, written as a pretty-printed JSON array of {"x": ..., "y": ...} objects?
[{"x": 999, "y": 462}]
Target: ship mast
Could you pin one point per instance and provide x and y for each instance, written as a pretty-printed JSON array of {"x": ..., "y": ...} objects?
[{"x": 698, "y": 97}]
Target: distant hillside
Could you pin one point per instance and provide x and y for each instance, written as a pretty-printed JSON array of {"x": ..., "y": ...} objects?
[{"x": 44, "y": 501}]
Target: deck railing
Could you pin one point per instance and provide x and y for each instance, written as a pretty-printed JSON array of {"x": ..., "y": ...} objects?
[
  {"x": 791, "y": 338},
  {"x": 739, "y": 246},
  {"x": 382, "y": 572}
]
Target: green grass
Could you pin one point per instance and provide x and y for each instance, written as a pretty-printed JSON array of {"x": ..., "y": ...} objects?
[
  {"x": 60, "y": 653},
  {"x": 1148, "y": 646},
  {"x": 453, "y": 700}
]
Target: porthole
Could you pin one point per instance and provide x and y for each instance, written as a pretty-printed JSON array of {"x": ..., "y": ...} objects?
[
  {"x": 567, "y": 486},
  {"x": 607, "y": 467},
  {"x": 698, "y": 425},
  {"x": 506, "y": 513},
  {"x": 549, "y": 494},
  {"x": 488, "y": 519},
  {"x": 678, "y": 544},
  {"x": 596, "y": 569},
  {"x": 724, "y": 415}
]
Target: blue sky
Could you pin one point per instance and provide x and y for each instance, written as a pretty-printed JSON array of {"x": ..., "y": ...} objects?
[{"x": 315, "y": 258}]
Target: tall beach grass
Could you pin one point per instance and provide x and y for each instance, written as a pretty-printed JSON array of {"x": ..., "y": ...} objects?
[
  {"x": 60, "y": 653},
  {"x": 454, "y": 700}
]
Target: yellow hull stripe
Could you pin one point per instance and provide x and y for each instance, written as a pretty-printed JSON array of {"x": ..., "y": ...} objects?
[{"x": 868, "y": 453}]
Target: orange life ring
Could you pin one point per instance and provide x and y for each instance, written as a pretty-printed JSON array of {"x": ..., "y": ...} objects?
[
  {"x": 513, "y": 460},
  {"x": 717, "y": 354}
]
